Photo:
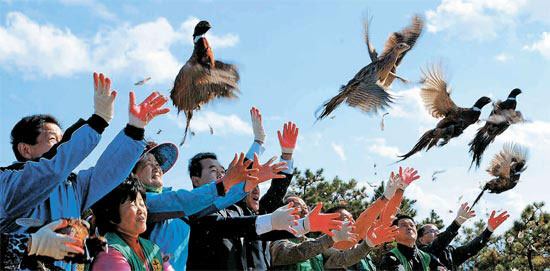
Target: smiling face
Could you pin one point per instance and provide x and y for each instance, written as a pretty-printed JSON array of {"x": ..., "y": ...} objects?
[
  {"x": 211, "y": 170},
  {"x": 429, "y": 234},
  {"x": 253, "y": 199},
  {"x": 49, "y": 135},
  {"x": 133, "y": 217},
  {"x": 303, "y": 210},
  {"x": 149, "y": 172}
]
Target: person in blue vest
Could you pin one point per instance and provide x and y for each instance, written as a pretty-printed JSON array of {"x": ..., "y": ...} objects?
[
  {"x": 41, "y": 184},
  {"x": 406, "y": 256}
]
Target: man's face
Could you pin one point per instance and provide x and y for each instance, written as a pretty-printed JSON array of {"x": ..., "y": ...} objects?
[
  {"x": 303, "y": 210},
  {"x": 345, "y": 215},
  {"x": 211, "y": 170},
  {"x": 406, "y": 231},
  {"x": 149, "y": 172},
  {"x": 253, "y": 199},
  {"x": 430, "y": 233},
  {"x": 49, "y": 135}
]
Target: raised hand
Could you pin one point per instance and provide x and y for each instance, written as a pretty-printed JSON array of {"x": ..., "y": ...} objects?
[
  {"x": 266, "y": 172},
  {"x": 257, "y": 125},
  {"x": 380, "y": 233},
  {"x": 284, "y": 218},
  {"x": 46, "y": 242},
  {"x": 141, "y": 114},
  {"x": 317, "y": 222},
  {"x": 345, "y": 234},
  {"x": 464, "y": 213},
  {"x": 407, "y": 177},
  {"x": 238, "y": 172},
  {"x": 392, "y": 185},
  {"x": 288, "y": 138},
  {"x": 494, "y": 222},
  {"x": 104, "y": 98}
]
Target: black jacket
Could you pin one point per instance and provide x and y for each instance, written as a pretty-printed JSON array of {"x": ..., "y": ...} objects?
[
  {"x": 227, "y": 239},
  {"x": 392, "y": 263},
  {"x": 451, "y": 256}
]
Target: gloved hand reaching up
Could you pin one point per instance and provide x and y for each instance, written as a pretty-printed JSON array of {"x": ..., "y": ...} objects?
[
  {"x": 288, "y": 138},
  {"x": 494, "y": 222},
  {"x": 407, "y": 177},
  {"x": 257, "y": 125},
  {"x": 142, "y": 114},
  {"x": 345, "y": 234},
  {"x": 284, "y": 218},
  {"x": 238, "y": 172},
  {"x": 104, "y": 98},
  {"x": 464, "y": 213},
  {"x": 317, "y": 222},
  {"x": 265, "y": 172},
  {"x": 380, "y": 233}
]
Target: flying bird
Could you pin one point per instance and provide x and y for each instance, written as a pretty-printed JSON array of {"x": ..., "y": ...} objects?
[
  {"x": 159, "y": 131},
  {"x": 436, "y": 97},
  {"x": 142, "y": 82},
  {"x": 506, "y": 167},
  {"x": 382, "y": 122},
  {"x": 368, "y": 89},
  {"x": 202, "y": 79},
  {"x": 435, "y": 173},
  {"x": 503, "y": 115},
  {"x": 211, "y": 129}
]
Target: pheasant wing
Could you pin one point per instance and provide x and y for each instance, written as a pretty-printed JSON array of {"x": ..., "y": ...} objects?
[
  {"x": 372, "y": 52},
  {"x": 369, "y": 97},
  {"x": 435, "y": 94}
]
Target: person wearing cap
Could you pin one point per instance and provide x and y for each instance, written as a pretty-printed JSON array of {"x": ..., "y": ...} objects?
[
  {"x": 41, "y": 184},
  {"x": 406, "y": 256},
  {"x": 430, "y": 240},
  {"x": 15, "y": 246}
]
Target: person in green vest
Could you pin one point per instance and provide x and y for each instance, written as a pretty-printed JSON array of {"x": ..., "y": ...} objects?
[
  {"x": 406, "y": 256},
  {"x": 121, "y": 217}
]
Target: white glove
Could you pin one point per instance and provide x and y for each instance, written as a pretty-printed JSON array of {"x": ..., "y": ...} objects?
[
  {"x": 46, "y": 242},
  {"x": 464, "y": 213},
  {"x": 104, "y": 99},
  {"x": 257, "y": 125},
  {"x": 284, "y": 218},
  {"x": 302, "y": 228},
  {"x": 344, "y": 234},
  {"x": 391, "y": 186}
]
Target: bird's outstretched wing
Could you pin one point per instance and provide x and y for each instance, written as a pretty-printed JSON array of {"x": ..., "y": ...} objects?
[
  {"x": 372, "y": 52},
  {"x": 435, "y": 94},
  {"x": 500, "y": 165},
  {"x": 408, "y": 35},
  {"x": 369, "y": 97}
]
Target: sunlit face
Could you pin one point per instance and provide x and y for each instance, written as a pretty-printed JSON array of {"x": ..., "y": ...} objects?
[
  {"x": 149, "y": 172},
  {"x": 406, "y": 231},
  {"x": 49, "y": 135},
  {"x": 133, "y": 217},
  {"x": 345, "y": 215},
  {"x": 253, "y": 199},
  {"x": 301, "y": 205},
  {"x": 430, "y": 233},
  {"x": 211, "y": 170}
]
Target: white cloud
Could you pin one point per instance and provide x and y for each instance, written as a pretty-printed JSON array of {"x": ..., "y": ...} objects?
[
  {"x": 409, "y": 105},
  {"x": 380, "y": 148},
  {"x": 339, "y": 150},
  {"x": 542, "y": 46},
  {"x": 95, "y": 7},
  {"x": 43, "y": 49},
  {"x": 221, "y": 124},
  {"x": 502, "y": 58},
  {"x": 137, "y": 51},
  {"x": 534, "y": 134}
]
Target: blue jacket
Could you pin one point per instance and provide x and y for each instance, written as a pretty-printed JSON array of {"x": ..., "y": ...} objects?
[
  {"x": 172, "y": 235},
  {"x": 47, "y": 190}
]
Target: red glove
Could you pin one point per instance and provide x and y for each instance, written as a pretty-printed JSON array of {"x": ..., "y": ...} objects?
[
  {"x": 407, "y": 177},
  {"x": 238, "y": 172},
  {"x": 141, "y": 114},
  {"x": 266, "y": 172},
  {"x": 494, "y": 222},
  {"x": 379, "y": 234},
  {"x": 317, "y": 222},
  {"x": 288, "y": 139}
]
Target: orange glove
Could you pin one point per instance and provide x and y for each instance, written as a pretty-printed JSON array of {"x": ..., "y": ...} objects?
[
  {"x": 266, "y": 172},
  {"x": 494, "y": 222},
  {"x": 317, "y": 222},
  {"x": 238, "y": 172},
  {"x": 380, "y": 234},
  {"x": 288, "y": 139}
]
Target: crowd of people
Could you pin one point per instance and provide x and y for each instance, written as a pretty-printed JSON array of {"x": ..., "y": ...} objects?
[{"x": 221, "y": 224}]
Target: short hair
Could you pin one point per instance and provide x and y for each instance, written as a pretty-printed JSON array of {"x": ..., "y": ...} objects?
[
  {"x": 27, "y": 131},
  {"x": 421, "y": 230},
  {"x": 399, "y": 217},
  {"x": 106, "y": 210},
  {"x": 336, "y": 209},
  {"x": 195, "y": 167},
  {"x": 289, "y": 195}
]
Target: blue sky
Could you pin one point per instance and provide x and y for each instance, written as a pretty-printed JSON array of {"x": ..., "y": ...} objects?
[{"x": 292, "y": 57}]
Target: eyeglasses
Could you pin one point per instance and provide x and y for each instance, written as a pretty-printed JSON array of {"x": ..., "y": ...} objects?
[{"x": 434, "y": 231}]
